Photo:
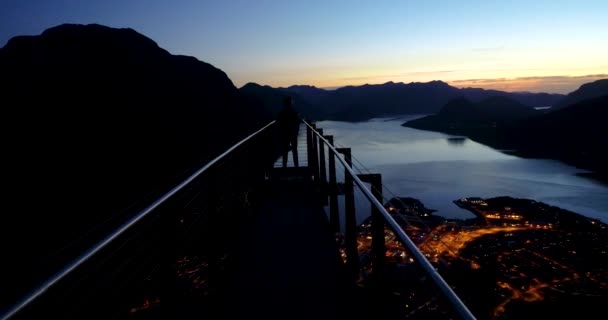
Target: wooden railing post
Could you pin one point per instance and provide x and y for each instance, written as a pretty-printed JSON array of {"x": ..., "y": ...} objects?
[
  {"x": 378, "y": 245},
  {"x": 314, "y": 165},
  {"x": 322, "y": 169},
  {"x": 334, "y": 212},
  {"x": 309, "y": 148},
  {"x": 350, "y": 220}
]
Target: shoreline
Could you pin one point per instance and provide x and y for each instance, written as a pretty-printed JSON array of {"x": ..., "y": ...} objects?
[{"x": 593, "y": 174}]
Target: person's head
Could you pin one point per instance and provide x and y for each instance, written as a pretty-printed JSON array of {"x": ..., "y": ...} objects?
[{"x": 288, "y": 102}]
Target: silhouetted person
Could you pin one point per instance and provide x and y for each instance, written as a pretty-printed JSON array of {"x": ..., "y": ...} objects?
[{"x": 288, "y": 123}]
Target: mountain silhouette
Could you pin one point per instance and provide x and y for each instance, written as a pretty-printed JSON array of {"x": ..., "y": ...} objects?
[
  {"x": 526, "y": 98},
  {"x": 270, "y": 100},
  {"x": 586, "y": 91},
  {"x": 462, "y": 116},
  {"x": 504, "y": 109},
  {"x": 311, "y": 94},
  {"x": 359, "y": 103},
  {"x": 461, "y": 109},
  {"x": 575, "y": 134},
  {"x": 96, "y": 119},
  {"x": 354, "y": 103}
]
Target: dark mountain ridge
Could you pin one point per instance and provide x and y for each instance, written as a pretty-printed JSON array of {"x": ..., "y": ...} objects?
[
  {"x": 575, "y": 134},
  {"x": 359, "y": 103},
  {"x": 311, "y": 94},
  {"x": 463, "y": 116},
  {"x": 97, "y": 120},
  {"x": 586, "y": 91},
  {"x": 532, "y": 99},
  {"x": 270, "y": 100}
]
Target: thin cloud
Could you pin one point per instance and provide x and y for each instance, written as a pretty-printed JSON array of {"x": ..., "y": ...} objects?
[
  {"x": 416, "y": 73},
  {"x": 487, "y": 49},
  {"x": 556, "y": 84},
  {"x": 425, "y": 73},
  {"x": 553, "y": 84},
  {"x": 479, "y": 80}
]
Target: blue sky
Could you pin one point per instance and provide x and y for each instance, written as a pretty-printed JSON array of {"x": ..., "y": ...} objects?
[{"x": 512, "y": 45}]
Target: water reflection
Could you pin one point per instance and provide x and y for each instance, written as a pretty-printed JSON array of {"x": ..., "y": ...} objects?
[
  {"x": 420, "y": 164},
  {"x": 456, "y": 141}
]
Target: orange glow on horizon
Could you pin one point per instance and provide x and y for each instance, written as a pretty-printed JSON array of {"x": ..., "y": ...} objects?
[{"x": 507, "y": 80}]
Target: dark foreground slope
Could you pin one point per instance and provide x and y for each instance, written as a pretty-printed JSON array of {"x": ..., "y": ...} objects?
[{"x": 96, "y": 121}]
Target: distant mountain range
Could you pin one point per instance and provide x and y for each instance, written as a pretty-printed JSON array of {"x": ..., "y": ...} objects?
[
  {"x": 574, "y": 132},
  {"x": 358, "y": 103}
]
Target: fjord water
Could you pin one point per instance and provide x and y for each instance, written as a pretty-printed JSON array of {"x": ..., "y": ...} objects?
[{"x": 438, "y": 168}]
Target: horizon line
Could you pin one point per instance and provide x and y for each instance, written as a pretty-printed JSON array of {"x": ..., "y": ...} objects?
[{"x": 483, "y": 83}]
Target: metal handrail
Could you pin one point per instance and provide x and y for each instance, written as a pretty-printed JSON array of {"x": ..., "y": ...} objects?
[
  {"x": 130, "y": 223},
  {"x": 448, "y": 293}
]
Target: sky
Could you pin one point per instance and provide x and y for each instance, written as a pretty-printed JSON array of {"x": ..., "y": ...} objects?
[{"x": 512, "y": 45}]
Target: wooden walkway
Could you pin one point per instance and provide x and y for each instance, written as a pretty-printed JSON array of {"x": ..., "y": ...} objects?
[
  {"x": 289, "y": 266},
  {"x": 290, "y": 263}
]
